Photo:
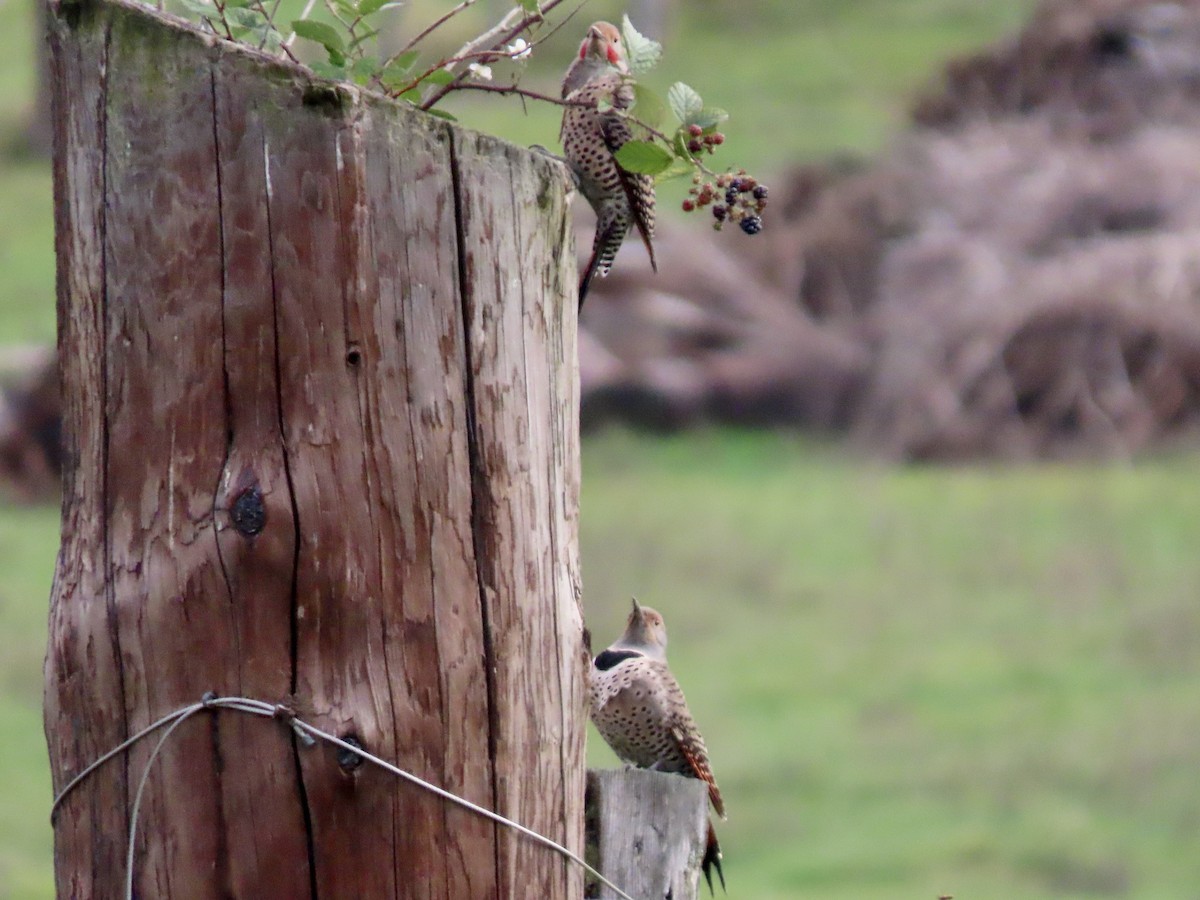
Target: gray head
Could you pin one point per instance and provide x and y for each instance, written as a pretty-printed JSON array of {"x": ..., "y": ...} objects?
[
  {"x": 602, "y": 51},
  {"x": 646, "y": 632}
]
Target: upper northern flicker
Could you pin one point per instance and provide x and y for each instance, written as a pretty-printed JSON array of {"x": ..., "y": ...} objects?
[
  {"x": 639, "y": 709},
  {"x": 591, "y": 135}
]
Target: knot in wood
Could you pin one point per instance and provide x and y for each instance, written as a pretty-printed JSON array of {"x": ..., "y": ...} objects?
[
  {"x": 248, "y": 512},
  {"x": 348, "y": 759}
]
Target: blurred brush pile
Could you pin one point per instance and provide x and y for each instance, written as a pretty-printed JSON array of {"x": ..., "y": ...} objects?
[{"x": 1019, "y": 277}]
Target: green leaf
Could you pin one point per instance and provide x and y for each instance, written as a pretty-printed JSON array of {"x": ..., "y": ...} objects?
[
  {"x": 442, "y": 114},
  {"x": 708, "y": 118},
  {"x": 684, "y": 101},
  {"x": 363, "y": 69},
  {"x": 530, "y": 6},
  {"x": 325, "y": 35},
  {"x": 643, "y": 157},
  {"x": 438, "y": 76},
  {"x": 396, "y": 72},
  {"x": 649, "y": 107},
  {"x": 370, "y": 7},
  {"x": 199, "y": 8},
  {"x": 268, "y": 37},
  {"x": 677, "y": 169},
  {"x": 244, "y": 18},
  {"x": 680, "y": 144},
  {"x": 364, "y": 37},
  {"x": 413, "y": 96},
  {"x": 641, "y": 52},
  {"x": 330, "y": 70}
]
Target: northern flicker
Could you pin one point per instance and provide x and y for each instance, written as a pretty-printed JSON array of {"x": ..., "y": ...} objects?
[
  {"x": 593, "y": 130},
  {"x": 640, "y": 711}
]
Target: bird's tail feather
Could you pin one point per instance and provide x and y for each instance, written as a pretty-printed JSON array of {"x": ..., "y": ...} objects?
[
  {"x": 593, "y": 266},
  {"x": 712, "y": 860}
]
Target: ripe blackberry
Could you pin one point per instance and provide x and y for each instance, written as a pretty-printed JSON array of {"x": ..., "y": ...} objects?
[
  {"x": 731, "y": 195},
  {"x": 694, "y": 146},
  {"x": 760, "y": 192},
  {"x": 751, "y": 224},
  {"x": 719, "y": 213}
]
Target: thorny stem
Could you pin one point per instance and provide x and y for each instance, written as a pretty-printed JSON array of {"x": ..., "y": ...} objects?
[
  {"x": 519, "y": 92},
  {"x": 224, "y": 22},
  {"x": 332, "y": 10},
  {"x": 490, "y": 42},
  {"x": 546, "y": 98},
  {"x": 269, "y": 16},
  {"x": 650, "y": 129},
  {"x": 485, "y": 56}
]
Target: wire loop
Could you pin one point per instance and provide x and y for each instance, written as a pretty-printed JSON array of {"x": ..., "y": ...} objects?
[{"x": 308, "y": 735}]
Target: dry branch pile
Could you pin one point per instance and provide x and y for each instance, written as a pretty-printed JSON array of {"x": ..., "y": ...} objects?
[
  {"x": 1019, "y": 277},
  {"x": 30, "y": 424}
]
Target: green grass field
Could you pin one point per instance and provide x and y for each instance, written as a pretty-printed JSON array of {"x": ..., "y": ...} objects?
[
  {"x": 974, "y": 681},
  {"x": 977, "y": 681}
]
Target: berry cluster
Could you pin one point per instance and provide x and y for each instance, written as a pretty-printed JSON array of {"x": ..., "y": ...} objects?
[
  {"x": 735, "y": 197},
  {"x": 698, "y": 141}
]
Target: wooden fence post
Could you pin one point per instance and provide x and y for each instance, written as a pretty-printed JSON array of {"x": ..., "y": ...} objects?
[
  {"x": 646, "y": 832},
  {"x": 321, "y": 408}
]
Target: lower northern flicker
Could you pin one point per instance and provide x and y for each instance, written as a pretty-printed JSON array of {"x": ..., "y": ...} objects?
[
  {"x": 593, "y": 130},
  {"x": 640, "y": 711}
]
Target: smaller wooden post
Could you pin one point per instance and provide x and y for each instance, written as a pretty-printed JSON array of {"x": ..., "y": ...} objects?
[{"x": 645, "y": 832}]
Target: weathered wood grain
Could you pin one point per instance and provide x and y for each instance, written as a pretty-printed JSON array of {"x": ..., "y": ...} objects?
[
  {"x": 255, "y": 526},
  {"x": 524, "y": 392},
  {"x": 646, "y": 832},
  {"x": 165, "y": 427},
  {"x": 84, "y": 696},
  {"x": 284, "y": 480}
]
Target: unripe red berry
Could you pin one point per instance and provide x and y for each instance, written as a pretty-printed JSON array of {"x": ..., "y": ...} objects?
[
  {"x": 688, "y": 205},
  {"x": 717, "y": 137},
  {"x": 695, "y": 130}
]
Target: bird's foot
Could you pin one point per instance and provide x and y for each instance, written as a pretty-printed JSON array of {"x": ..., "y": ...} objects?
[{"x": 538, "y": 148}]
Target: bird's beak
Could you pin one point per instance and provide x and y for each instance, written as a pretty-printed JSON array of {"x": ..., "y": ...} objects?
[
  {"x": 637, "y": 610},
  {"x": 594, "y": 33}
]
